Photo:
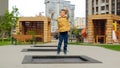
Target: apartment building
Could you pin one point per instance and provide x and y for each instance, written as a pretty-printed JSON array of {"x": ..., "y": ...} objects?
[
  {"x": 95, "y": 7},
  {"x": 3, "y": 6}
]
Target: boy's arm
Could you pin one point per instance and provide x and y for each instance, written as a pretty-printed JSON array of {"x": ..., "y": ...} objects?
[{"x": 68, "y": 16}]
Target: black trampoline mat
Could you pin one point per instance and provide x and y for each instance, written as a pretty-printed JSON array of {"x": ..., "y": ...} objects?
[
  {"x": 39, "y": 50},
  {"x": 57, "y": 59},
  {"x": 44, "y": 46}
]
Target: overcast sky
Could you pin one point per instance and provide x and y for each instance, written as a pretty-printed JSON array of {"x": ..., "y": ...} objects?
[{"x": 33, "y": 7}]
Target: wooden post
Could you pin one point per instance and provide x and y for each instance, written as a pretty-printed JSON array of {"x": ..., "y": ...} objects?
[
  {"x": 109, "y": 27},
  {"x": 90, "y": 31},
  {"x": 45, "y": 31}
]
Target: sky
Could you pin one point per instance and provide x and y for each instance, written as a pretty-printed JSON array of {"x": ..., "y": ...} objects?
[{"x": 34, "y": 7}]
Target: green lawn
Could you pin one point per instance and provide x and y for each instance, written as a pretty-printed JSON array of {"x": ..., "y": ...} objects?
[
  {"x": 4, "y": 43},
  {"x": 108, "y": 46},
  {"x": 115, "y": 47},
  {"x": 112, "y": 47}
]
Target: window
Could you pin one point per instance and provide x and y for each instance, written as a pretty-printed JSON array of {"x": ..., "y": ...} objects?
[
  {"x": 27, "y": 24},
  {"x": 118, "y": 13},
  {"x": 96, "y": 9},
  {"x": 92, "y": 3},
  {"x": 107, "y": 12},
  {"x": 113, "y": 11},
  {"x": 107, "y": 7},
  {"x": 118, "y": 7},
  {"x": 102, "y": 1},
  {"x": 103, "y": 8},
  {"x": 92, "y": 10},
  {"x": 113, "y": 1},
  {"x": 96, "y": 2},
  {"x": 107, "y": 1},
  {"x": 37, "y": 27}
]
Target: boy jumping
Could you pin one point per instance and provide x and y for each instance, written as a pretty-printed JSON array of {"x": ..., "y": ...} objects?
[{"x": 63, "y": 28}]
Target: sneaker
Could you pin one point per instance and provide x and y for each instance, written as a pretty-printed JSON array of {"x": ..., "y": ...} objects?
[
  {"x": 65, "y": 52},
  {"x": 58, "y": 52}
]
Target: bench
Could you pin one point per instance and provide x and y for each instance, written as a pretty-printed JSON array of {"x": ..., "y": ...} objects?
[
  {"x": 25, "y": 38},
  {"x": 71, "y": 39}
]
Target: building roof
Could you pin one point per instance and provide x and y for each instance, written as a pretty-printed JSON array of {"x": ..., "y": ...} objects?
[
  {"x": 37, "y": 18},
  {"x": 104, "y": 16}
]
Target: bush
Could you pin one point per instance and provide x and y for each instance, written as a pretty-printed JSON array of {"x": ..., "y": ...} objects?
[{"x": 75, "y": 31}]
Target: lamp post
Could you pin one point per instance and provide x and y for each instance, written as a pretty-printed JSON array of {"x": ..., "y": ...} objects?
[{"x": 40, "y": 13}]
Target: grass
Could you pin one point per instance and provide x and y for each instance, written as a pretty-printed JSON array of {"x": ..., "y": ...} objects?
[
  {"x": 115, "y": 47},
  {"x": 5, "y": 43}
]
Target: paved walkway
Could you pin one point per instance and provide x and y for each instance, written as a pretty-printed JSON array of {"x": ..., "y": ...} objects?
[{"x": 12, "y": 57}]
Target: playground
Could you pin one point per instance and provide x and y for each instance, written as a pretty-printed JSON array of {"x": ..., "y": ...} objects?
[
  {"x": 12, "y": 57},
  {"x": 32, "y": 42}
]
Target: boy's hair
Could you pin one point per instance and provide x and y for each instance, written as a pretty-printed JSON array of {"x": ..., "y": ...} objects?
[{"x": 63, "y": 10}]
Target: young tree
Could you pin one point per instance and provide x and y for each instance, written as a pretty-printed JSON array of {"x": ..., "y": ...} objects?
[
  {"x": 75, "y": 31},
  {"x": 8, "y": 22}
]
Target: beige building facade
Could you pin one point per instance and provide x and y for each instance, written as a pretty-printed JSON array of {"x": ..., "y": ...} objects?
[
  {"x": 80, "y": 23},
  {"x": 96, "y": 7},
  {"x": 4, "y": 5}
]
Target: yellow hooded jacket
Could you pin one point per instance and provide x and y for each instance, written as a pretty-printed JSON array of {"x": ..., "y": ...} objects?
[{"x": 63, "y": 24}]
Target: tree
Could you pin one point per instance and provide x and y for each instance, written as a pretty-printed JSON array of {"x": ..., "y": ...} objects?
[
  {"x": 8, "y": 22},
  {"x": 14, "y": 17},
  {"x": 75, "y": 31}
]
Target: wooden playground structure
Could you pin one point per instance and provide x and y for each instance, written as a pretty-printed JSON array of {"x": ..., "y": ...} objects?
[
  {"x": 100, "y": 28},
  {"x": 40, "y": 25}
]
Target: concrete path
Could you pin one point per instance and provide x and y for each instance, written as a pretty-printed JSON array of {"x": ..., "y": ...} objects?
[{"x": 12, "y": 57}]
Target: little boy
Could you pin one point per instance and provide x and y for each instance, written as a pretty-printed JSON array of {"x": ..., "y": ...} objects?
[{"x": 63, "y": 28}]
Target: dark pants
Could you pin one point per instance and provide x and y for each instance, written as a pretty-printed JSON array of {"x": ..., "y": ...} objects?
[{"x": 63, "y": 36}]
